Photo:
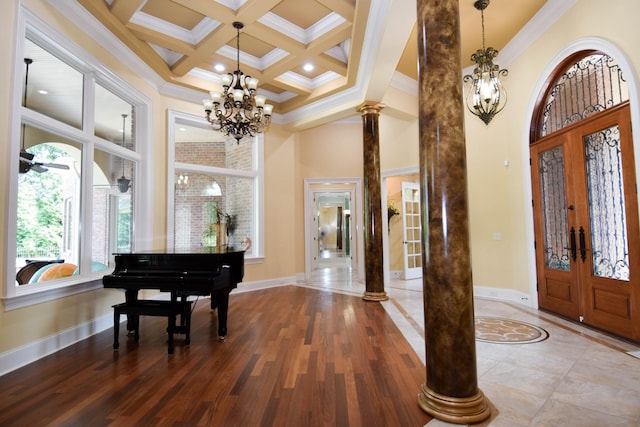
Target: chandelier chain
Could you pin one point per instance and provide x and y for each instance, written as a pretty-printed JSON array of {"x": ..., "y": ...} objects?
[{"x": 482, "y": 16}]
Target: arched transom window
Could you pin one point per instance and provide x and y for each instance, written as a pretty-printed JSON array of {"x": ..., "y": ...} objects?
[{"x": 586, "y": 83}]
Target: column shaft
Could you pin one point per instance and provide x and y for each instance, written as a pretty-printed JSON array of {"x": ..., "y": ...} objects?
[
  {"x": 451, "y": 390},
  {"x": 373, "y": 256}
]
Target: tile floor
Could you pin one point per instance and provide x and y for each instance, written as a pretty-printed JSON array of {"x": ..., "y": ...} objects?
[{"x": 577, "y": 377}]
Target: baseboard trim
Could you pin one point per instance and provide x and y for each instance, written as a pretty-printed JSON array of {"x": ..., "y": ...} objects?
[
  {"x": 507, "y": 295},
  {"x": 22, "y": 356}
]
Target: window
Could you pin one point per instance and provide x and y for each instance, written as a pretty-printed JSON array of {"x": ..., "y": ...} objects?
[
  {"x": 215, "y": 188},
  {"x": 79, "y": 142},
  {"x": 584, "y": 84}
]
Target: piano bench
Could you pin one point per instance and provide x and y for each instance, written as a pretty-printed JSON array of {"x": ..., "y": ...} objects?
[{"x": 169, "y": 309}]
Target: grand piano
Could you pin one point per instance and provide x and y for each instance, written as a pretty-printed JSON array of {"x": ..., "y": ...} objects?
[{"x": 207, "y": 271}]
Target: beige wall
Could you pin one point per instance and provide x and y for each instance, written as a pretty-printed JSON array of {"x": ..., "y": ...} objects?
[
  {"x": 329, "y": 151},
  {"x": 7, "y": 34}
]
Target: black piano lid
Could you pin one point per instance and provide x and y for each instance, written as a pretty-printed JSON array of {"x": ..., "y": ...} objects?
[{"x": 204, "y": 250}]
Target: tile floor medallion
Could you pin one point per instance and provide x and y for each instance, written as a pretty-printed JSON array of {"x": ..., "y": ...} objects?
[{"x": 505, "y": 331}]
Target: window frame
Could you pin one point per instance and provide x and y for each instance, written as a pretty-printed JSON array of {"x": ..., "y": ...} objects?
[
  {"x": 29, "y": 25},
  {"x": 257, "y": 173}
]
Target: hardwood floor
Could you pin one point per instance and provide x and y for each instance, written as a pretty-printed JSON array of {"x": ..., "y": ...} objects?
[{"x": 293, "y": 357}]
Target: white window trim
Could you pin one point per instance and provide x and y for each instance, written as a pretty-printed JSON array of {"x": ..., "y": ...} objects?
[
  {"x": 14, "y": 296},
  {"x": 257, "y": 172}
]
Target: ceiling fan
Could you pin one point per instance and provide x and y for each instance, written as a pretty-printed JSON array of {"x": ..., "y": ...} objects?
[{"x": 27, "y": 162}]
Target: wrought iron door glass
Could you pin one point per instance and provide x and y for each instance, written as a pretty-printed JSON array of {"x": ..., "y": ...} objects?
[
  {"x": 605, "y": 189},
  {"x": 554, "y": 209}
]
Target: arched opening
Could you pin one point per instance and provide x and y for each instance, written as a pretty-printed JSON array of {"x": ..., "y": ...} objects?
[{"x": 584, "y": 201}]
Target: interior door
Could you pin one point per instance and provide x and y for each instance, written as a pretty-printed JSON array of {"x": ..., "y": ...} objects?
[
  {"x": 411, "y": 231},
  {"x": 587, "y": 233}
]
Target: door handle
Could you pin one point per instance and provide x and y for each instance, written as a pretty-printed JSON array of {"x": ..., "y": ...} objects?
[
  {"x": 583, "y": 248},
  {"x": 572, "y": 242}
]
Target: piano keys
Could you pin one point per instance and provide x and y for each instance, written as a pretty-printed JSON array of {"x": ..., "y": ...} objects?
[{"x": 207, "y": 271}]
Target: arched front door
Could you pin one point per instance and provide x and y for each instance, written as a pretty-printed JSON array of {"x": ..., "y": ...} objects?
[{"x": 585, "y": 202}]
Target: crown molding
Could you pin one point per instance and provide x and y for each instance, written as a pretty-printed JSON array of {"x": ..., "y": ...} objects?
[
  {"x": 98, "y": 32},
  {"x": 547, "y": 16}
]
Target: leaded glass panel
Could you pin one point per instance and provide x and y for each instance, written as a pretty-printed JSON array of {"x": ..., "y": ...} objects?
[
  {"x": 554, "y": 210},
  {"x": 609, "y": 244}
]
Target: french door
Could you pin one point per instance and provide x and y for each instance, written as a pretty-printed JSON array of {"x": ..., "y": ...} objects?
[
  {"x": 586, "y": 223},
  {"x": 411, "y": 230}
]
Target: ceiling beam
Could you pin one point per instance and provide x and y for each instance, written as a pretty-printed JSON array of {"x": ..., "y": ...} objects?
[
  {"x": 98, "y": 8},
  {"x": 161, "y": 39},
  {"x": 124, "y": 9}
]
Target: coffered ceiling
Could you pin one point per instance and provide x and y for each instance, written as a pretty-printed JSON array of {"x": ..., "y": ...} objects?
[{"x": 185, "y": 41}]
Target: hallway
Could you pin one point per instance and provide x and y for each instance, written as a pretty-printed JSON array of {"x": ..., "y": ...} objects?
[{"x": 576, "y": 377}]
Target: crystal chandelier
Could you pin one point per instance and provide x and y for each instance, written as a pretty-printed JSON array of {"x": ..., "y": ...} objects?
[
  {"x": 486, "y": 96},
  {"x": 237, "y": 110}
]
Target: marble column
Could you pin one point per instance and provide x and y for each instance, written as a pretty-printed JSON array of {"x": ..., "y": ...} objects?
[
  {"x": 451, "y": 390},
  {"x": 373, "y": 265}
]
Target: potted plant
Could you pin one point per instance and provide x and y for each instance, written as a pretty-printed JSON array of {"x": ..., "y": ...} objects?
[
  {"x": 392, "y": 210},
  {"x": 220, "y": 225},
  {"x": 215, "y": 233}
]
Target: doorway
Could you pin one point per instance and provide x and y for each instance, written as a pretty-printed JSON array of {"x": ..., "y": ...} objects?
[
  {"x": 411, "y": 231},
  {"x": 402, "y": 242},
  {"x": 586, "y": 223},
  {"x": 584, "y": 194},
  {"x": 333, "y": 235}
]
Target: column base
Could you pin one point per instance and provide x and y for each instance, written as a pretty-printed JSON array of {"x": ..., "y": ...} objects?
[
  {"x": 467, "y": 410},
  {"x": 375, "y": 296}
]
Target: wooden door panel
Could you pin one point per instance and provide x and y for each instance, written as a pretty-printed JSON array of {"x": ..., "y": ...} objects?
[
  {"x": 560, "y": 295},
  {"x": 607, "y": 279},
  {"x": 559, "y": 290},
  {"x": 611, "y": 303}
]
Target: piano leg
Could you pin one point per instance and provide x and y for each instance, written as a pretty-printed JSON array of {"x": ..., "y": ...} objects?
[
  {"x": 131, "y": 296},
  {"x": 220, "y": 300},
  {"x": 116, "y": 329},
  {"x": 171, "y": 329}
]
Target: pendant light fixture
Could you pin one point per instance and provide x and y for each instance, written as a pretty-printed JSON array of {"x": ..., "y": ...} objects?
[
  {"x": 237, "y": 111},
  {"x": 123, "y": 182},
  {"x": 486, "y": 96}
]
